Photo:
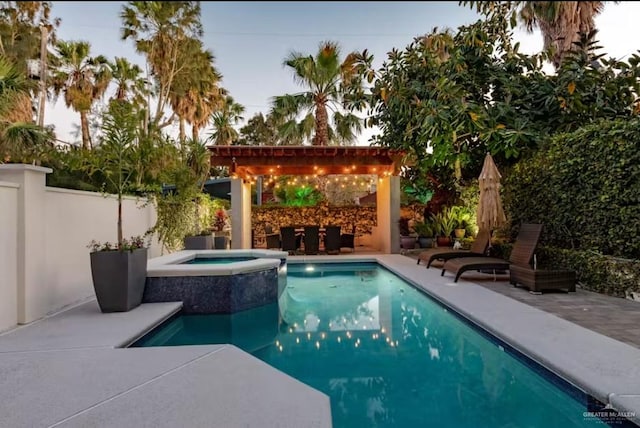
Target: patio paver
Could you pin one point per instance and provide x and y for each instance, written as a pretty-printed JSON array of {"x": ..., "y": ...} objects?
[{"x": 611, "y": 316}]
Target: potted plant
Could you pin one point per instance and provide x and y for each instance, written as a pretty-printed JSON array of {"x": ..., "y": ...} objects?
[
  {"x": 462, "y": 219},
  {"x": 407, "y": 241},
  {"x": 445, "y": 223},
  {"x": 119, "y": 271},
  {"x": 201, "y": 238},
  {"x": 425, "y": 231},
  {"x": 219, "y": 223}
]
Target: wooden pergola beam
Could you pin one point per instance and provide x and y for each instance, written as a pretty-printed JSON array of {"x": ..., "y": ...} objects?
[{"x": 247, "y": 161}]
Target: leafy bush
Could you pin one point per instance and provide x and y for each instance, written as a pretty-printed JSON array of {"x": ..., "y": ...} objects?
[
  {"x": 403, "y": 225},
  {"x": 444, "y": 221},
  {"x": 299, "y": 196},
  {"x": 584, "y": 187},
  {"x": 595, "y": 272},
  {"x": 425, "y": 229}
]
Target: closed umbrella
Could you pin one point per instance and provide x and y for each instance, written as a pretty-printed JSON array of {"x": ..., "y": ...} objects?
[{"x": 490, "y": 214}]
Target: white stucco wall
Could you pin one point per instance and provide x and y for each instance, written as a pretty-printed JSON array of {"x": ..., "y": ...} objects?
[
  {"x": 8, "y": 259},
  {"x": 73, "y": 219}
]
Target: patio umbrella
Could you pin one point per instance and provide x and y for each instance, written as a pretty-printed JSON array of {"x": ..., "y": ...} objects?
[{"x": 490, "y": 213}]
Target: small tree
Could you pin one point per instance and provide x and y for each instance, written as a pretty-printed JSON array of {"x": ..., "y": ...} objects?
[{"x": 114, "y": 158}]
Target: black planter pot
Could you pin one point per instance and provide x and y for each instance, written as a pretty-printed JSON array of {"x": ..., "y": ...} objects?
[
  {"x": 425, "y": 242},
  {"x": 407, "y": 242},
  {"x": 200, "y": 242},
  {"x": 220, "y": 242},
  {"x": 119, "y": 278}
]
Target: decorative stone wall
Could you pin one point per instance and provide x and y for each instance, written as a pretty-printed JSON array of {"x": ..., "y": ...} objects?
[{"x": 363, "y": 217}]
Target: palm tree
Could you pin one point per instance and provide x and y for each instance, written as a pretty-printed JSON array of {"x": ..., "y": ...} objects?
[
  {"x": 129, "y": 83},
  {"x": 195, "y": 93},
  {"x": 561, "y": 22},
  {"x": 160, "y": 30},
  {"x": 224, "y": 120},
  {"x": 15, "y": 94},
  {"x": 82, "y": 78},
  {"x": 20, "y": 30},
  {"x": 326, "y": 80},
  {"x": 19, "y": 136}
]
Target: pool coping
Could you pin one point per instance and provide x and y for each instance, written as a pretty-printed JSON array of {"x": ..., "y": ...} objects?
[
  {"x": 600, "y": 366},
  {"x": 170, "y": 264}
]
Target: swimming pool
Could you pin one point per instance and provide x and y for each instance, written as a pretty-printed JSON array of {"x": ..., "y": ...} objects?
[{"x": 386, "y": 354}]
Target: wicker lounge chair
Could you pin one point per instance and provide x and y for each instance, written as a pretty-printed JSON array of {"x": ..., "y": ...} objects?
[
  {"x": 521, "y": 255},
  {"x": 538, "y": 280},
  {"x": 478, "y": 249}
]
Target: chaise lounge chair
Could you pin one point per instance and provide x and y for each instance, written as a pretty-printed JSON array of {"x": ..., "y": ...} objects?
[
  {"x": 521, "y": 255},
  {"x": 478, "y": 249}
]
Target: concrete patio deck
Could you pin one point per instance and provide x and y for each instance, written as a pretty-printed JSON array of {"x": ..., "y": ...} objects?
[{"x": 65, "y": 370}]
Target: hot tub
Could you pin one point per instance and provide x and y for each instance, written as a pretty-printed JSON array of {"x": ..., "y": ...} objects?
[{"x": 213, "y": 282}]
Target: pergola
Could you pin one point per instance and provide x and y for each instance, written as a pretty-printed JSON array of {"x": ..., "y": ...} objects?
[{"x": 246, "y": 163}]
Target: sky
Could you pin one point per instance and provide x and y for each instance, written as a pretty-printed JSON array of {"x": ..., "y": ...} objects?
[{"x": 251, "y": 39}]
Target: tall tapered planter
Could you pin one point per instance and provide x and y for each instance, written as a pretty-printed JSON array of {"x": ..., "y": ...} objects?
[
  {"x": 220, "y": 240},
  {"x": 119, "y": 278},
  {"x": 199, "y": 242}
]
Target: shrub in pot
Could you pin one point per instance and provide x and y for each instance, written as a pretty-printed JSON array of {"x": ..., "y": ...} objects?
[
  {"x": 119, "y": 274},
  {"x": 445, "y": 224},
  {"x": 407, "y": 241},
  {"x": 119, "y": 271},
  {"x": 201, "y": 241},
  {"x": 462, "y": 217},
  {"x": 219, "y": 223},
  {"x": 425, "y": 231}
]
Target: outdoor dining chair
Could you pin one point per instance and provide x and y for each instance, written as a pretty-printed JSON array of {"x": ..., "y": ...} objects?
[
  {"x": 332, "y": 240},
  {"x": 347, "y": 239},
  {"x": 311, "y": 239},
  {"x": 288, "y": 239}
]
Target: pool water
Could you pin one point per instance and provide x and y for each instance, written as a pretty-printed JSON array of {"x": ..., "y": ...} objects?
[
  {"x": 386, "y": 354},
  {"x": 217, "y": 260}
]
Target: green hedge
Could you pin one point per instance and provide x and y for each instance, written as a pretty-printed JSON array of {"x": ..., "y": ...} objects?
[
  {"x": 584, "y": 187},
  {"x": 595, "y": 272}
]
